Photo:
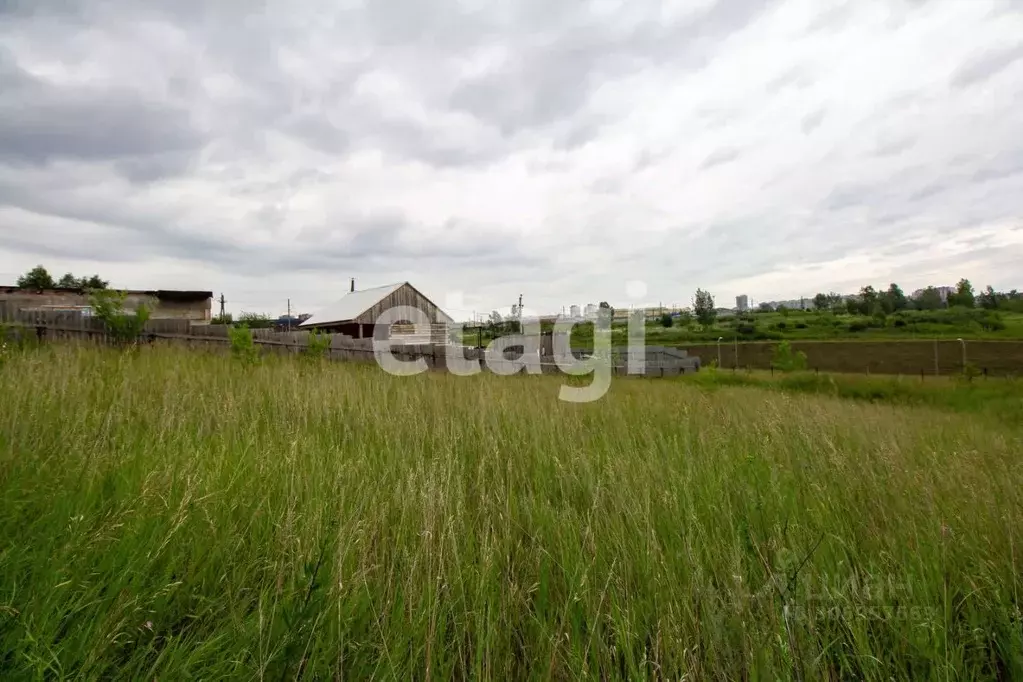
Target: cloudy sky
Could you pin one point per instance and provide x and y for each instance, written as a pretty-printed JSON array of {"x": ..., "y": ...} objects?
[{"x": 567, "y": 151}]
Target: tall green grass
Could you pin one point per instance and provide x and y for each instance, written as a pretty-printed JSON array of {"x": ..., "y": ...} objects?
[
  {"x": 171, "y": 514},
  {"x": 997, "y": 399}
]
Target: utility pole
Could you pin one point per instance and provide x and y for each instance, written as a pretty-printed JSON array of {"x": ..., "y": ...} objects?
[
  {"x": 222, "y": 301},
  {"x": 289, "y": 314}
]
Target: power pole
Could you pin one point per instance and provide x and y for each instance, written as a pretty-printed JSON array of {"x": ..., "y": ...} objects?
[
  {"x": 222, "y": 301},
  {"x": 289, "y": 314}
]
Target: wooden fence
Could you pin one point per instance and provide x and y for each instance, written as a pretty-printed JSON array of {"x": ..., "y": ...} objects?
[{"x": 436, "y": 351}]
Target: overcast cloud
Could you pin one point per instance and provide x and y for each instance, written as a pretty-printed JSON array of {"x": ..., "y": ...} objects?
[{"x": 484, "y": 149}]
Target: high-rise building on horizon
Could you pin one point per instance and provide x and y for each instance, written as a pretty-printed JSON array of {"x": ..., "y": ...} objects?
[{"x": 742, "y": 303}]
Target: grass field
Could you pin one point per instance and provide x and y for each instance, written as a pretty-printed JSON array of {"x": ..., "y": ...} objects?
[{"x": 170, "y": 514}]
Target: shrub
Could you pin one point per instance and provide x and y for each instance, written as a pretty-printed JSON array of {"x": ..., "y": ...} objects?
[
  {"x": 857, "y": 326},
  {"x": 242, "y": 345},
  {"x": 786, "y": 360},
  {"x": 899, "y": 323},
  {"x": 319, "y": 344},
  {"x": 782, "y": 325},
  {"x": 667, "y": 320},
  {"x": 124, "y": 326},
  {"x": 801, "y": 325},
  {"x": 256, "y": 320},
  {"x": 746, "y": 329}
]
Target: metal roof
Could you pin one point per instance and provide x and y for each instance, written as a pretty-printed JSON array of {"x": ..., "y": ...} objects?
[{"x": 353, "y": 304}]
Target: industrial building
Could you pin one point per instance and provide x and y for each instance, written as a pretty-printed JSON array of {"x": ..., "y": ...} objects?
[{"x": 194, "y": 306}]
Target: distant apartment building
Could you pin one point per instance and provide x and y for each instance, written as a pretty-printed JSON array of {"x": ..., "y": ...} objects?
[
  {"x": 742, "y": 303},
  {"x": 591, "y": 310},
  {"x": 574, "y": 312}
]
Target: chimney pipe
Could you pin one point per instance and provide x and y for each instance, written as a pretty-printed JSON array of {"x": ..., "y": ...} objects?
[{"x": 353, "y": 284}]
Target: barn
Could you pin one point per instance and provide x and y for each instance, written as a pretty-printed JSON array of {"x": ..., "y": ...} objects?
[{"x": 357, "y": 312}]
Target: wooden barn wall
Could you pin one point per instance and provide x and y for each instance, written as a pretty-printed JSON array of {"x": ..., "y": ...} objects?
[{"x": 403, "y": 296}]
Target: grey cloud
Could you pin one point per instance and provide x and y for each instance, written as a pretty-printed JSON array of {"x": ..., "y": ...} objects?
[
  {"x": 41, "y": 122},
  {"x": 545, "y": 84},
  {"x": 159, "y": 166},
  {"x": 834, "y": 16},
  {"x": 848, "y": 196},
  {"x": 1002, "y": 166},
  {"x": 985, "y": 66},
  {"x": 928, "y": 191},
  {"x": 796, "y": 77},
  {"x": 386, "y": 240},
  {"x": 894, "y": 146},
  {"x": 719, "y": 157},
  {"x": 812, "y": 121}
]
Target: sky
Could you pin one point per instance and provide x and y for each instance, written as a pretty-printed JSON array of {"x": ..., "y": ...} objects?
[{"x": 570, "y": 152}]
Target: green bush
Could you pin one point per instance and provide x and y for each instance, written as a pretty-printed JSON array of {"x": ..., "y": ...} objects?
[
  {"x": 242, "y": 346},
  {"x": 667, "y": 320},
  {"x": 857, "y": 326},
  {"x": 319, "y": 344},
  {"x": 124, "y": 326},
  {"x": 784, "y": 359}
]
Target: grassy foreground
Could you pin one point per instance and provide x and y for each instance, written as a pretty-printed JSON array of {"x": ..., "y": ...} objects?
[{"x": 172, "y": 514}]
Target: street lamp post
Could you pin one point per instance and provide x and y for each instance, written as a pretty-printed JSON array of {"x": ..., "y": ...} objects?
[{"x": 720, "y": 338}]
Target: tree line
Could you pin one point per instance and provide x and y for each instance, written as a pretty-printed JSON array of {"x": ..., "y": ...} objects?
[
  {"x": 39, "y": 278},
  {"x": 870, "y": 301}
]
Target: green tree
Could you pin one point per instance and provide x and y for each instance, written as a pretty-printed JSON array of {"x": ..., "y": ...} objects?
[
  {"x": 869, "y": 300},
  {"x": 703, "y": 307},
  {"x": 764, "y": 308},
  {"x": 36, "y": 278},
  {"x": 929, "y": 299},
  {"x": 69, "y": 281},
  {"x": 821, "y": 302},
  {"x": 93, "y": 282},
  {"x": 894, "y": 299},
  {"x": 667, "y": 320},
  {"x": 963, "y": 295},
  {"x": 989, "y": 299}
]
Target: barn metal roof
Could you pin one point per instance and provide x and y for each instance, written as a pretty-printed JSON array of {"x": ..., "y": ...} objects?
[{"x": 352, "y": 305}]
